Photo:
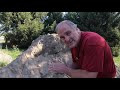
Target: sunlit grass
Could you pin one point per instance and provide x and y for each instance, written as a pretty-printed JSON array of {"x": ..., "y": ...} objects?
[
  {"x": 117, "y": 60},
  {"x": 12, "y": 52}
]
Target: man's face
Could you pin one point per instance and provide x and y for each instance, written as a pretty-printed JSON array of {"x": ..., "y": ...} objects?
[{"x": 70, "y": 36}]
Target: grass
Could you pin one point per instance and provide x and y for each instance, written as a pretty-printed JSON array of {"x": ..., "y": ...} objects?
[
  {"x": 3, "y": 64},
  {"x": 12, "y": 52},
  {"x": 117, "y": 60}
]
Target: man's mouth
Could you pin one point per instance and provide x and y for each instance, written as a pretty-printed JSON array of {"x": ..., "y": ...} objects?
[{"x": 70, "y": 42}]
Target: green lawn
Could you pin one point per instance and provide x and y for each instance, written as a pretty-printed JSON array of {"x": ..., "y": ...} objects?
[
  {"x": 117, "y": 60},
  {"x": 12, "y": 52}
]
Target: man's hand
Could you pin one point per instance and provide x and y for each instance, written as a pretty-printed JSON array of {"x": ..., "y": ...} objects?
[
  {"x": 73, "y": 73},
  {"x": 58, "y": 67}
]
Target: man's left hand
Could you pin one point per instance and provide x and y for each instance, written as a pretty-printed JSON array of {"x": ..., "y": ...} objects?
[{"x": 57, "y": 67}]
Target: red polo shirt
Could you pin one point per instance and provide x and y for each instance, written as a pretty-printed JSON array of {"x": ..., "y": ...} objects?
[{"x": 94, "y": 55}]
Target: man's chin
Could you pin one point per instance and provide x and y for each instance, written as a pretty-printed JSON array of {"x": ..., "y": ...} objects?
[{"x": 71, "y": 46}]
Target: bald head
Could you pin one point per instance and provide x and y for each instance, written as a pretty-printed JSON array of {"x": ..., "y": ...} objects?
[
  {"x": 68, "y": 33},
  {"x": 64, "y": 23}
]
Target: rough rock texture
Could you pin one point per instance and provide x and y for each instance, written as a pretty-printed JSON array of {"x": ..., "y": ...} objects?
[
  {"x": 118, "y": 72},
  {"x": 33, "y": 63}
]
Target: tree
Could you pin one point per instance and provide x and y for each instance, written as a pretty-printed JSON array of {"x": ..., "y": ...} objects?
[
  {"x": 51, "y": 20},
  {"x": 104, "y": 23},
  {"x": 21, "y": 28}
]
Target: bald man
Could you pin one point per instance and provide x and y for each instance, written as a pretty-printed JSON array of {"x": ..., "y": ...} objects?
[{"x": 91, "y": 54}]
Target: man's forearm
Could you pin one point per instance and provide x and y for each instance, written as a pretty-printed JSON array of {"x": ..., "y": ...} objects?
[
  {"x": 78, "y": 73},
  {"x": 73, "y": 73}
]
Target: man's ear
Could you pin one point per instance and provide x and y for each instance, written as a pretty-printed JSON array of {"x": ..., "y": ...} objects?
[{"x": 77, "y": 29}]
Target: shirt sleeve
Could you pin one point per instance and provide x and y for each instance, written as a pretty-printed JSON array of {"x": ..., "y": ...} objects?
[{"x": 93, "y": 58}]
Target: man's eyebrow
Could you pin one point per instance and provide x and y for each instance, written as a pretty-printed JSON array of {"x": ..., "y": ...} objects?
[{"x": 67, "y": 32}]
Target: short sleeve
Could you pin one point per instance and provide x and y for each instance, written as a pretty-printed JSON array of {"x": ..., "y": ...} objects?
[{"x": 93, "y": 58}]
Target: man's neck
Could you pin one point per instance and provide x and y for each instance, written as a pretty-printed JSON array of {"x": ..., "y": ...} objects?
[{"x": 80, "y": 34}]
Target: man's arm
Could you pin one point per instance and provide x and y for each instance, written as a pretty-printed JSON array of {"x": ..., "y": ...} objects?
[
  {"x": 72, "y": 65},
  {"x": 73, "y": 73},
  {"x": 78, "y": 73}
]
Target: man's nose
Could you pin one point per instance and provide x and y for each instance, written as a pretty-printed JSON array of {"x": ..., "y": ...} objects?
[{"x": 66, "y": 39}]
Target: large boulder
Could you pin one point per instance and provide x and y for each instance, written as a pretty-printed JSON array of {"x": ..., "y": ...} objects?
[{"x": 33, "y": 63}]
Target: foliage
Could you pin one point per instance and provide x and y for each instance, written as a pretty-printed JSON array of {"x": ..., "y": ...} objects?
[
  {"x": 52, "y": 19},
  {"x": 104, "y": 23},
  {"x": 117, "y": 60},
  {"x": 21, "y": 28}
]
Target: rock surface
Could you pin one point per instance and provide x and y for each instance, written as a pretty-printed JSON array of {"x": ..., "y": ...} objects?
[{"x": 33, "y": 63}]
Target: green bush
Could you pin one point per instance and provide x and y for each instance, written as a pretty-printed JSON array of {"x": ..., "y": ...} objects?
[
  {"x": 115, "y": 51},
  {"x": 104, "y": 23},
  {"x": 21, "y": 28}
]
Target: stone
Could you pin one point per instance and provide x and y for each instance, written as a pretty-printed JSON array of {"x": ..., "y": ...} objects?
[{"x": 33, "y": 63}]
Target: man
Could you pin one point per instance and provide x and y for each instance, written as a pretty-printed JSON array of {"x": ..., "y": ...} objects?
[{"x": 91, "y": 54}]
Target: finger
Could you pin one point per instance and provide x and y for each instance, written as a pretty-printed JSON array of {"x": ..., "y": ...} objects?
[{"x": 50, "y": 69}]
